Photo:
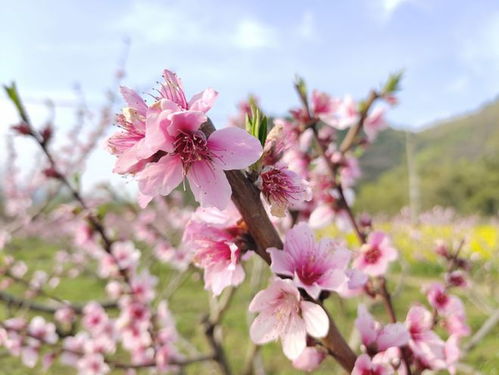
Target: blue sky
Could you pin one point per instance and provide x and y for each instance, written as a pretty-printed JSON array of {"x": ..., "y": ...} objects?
[{"x": 448, "y": 48}]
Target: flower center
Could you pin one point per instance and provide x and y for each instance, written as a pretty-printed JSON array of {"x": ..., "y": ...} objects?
[
  {"x": 278, "y": 185},
  {"x": 372, "y": 255},
  {"x": 456, "y": 280},
  {"x": 191, "y": 147},
  {"x": 213, "y": 253},
  {"x": 441, "y": 299},
  {"x": 309, "y": 272}
]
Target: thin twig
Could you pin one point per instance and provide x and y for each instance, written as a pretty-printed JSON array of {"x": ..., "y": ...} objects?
[{"x": 12, "y": 300}]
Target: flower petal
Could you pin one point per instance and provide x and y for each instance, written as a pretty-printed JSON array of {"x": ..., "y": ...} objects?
[
  {"x": 332, "y": 279},
  {"x": 300, "y": 241},
  {"x": 294, "y": 340},
  {"x": 316, "y": 319},
  {"x": 362, "y": 365},
  {"x": 234, "y": 148},
  {"x": 310, "y": 359},
  {"x": 321, "y": 216},
  {"x": 162, "y": 177},
  {"x": 264, "y": 329},
  {"x": 134, "y": 100},
  {"x": 281, "y": 262},
  {"x": 394, "y": 334},
  {"x": 209, "y": 185},
  {"x": 189, "y": 121},
  {"x": 265, "y": 298},
  {"x": 144, "y": 200},
  {"x": 157, "y": 121},
  {"x": 203, "y": 101},
  {"x": 366, "y": 325}
]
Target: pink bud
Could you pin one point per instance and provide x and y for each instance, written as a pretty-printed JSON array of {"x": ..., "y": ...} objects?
[{"x": 22, "y": 129}]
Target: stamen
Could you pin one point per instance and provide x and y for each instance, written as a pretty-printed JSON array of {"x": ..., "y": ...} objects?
[{"x": 191, "y": 147}]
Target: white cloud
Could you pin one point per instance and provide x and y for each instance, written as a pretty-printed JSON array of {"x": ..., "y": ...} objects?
[
  {"x": 385, "y": 9},
  {"x": 252, "y": 34},
  {"x": 158, "y": 23},
  {"x": 390, "y": 6},
  {"x": 307, "y": 26},
  {"x": 186, "y": 23}
]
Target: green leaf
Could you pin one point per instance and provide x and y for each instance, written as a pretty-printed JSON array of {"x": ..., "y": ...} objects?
[
  {"x": 77, "y": 179},
  {"x": 13, "y": 94},
  {"x": 301, "y": 86},
  {"x": 256, "y": 124},
  {"x": 393, "y": 83},
  {"x": 102, "y": 210},
  {"x": 263, "y": 131}
]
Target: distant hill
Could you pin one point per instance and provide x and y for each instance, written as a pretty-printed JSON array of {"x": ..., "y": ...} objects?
[{"x": 456, "y": 160}]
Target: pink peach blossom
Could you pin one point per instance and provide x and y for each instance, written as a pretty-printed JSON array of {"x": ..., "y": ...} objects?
[
  {"x": 454, "y": 318},
  {"x": 439, "y": 298},
  {"x": 426, "y": 345},
  {"x": 347, "y": 112},
  {"x": 310, "y": 359},
  {"x": 457, "y": 279},
  {"x": 284, "y": 315},
  {"x": 211, "y": 234},
  {"x": 29, "y": 355},
  {"x": 374, "y": 123},
  {"x": 452, "y": 353},
  {"x": 162, "y": 144},
  {"x": 325, "y": 107},
  {"x": 125, "y": 255},
  {"x": 199, "y": 158},
  {"x": 378, "y": 337},
  {"x": 95, "y": 318},
  {"x": 170, "y": 103},
  {"x": 128, "y": 144},
  {"x": 375, "y": 255},
  {"x": 42, "y": 330},
  {"x": 142, "y": 286},
  {"x": 364, "y": 365},
  {"x": 281, "y": 188},
  {"x": 350, "y": 171},
  {"x": 92, "y": 364},
  {"x": 65, "y": 315},
  {"x": 243, "y": 110},
  {"x": 313, "y": 266}
]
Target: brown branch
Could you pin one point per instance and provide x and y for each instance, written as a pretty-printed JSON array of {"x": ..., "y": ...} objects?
[
  {"x": 110, "y": 362},
  {"x": 349, "y": 139},
  {"x": 173, "y": 362},
  {"x": 96, "y": 223},
  {"x": 212, "y": 331},
  {"x": 387, "y": 299},
  {"x": 246, "y": 197},
  {"x": 12, "y": 300},
  {"x": 333, "y": 169}
]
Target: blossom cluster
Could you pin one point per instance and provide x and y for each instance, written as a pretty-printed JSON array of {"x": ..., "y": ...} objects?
[
  {"x": 162, "y": 143},
  {"x": 297, "y": 171}
]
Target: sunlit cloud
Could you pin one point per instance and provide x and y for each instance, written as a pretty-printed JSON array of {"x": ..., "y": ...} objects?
[
  {"x": 252, "y": 34},
  {"x": 307, "y": 27},
  {"x": 158, "y": 23},
  {"x": 186, "y": 23},
  {"x": 390, "y": 6}
]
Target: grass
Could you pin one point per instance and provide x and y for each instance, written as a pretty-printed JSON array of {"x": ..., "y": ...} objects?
[{"x": 190, "y": 302}]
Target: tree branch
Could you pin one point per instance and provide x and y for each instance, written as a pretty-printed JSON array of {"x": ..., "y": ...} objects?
[
  {"x": 12, "y": 300},
  {"x": 246, "y": 197}
]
